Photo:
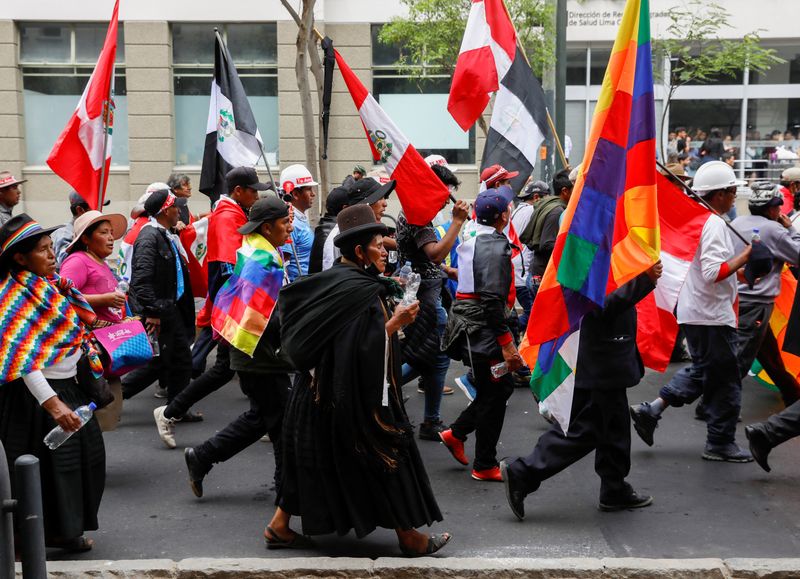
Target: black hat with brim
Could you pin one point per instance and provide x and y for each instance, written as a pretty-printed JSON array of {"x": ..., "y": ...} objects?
[
  {"x": 265, "y": 209},
  {"x": 369, "y": 191},
  {"x": 18, "y": 229},
  {"x": 355, "y": 221}
]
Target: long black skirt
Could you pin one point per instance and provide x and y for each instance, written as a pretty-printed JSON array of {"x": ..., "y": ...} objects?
[
  {"x": 333, "y": 490},
  {"x": 73, "y": 475}
]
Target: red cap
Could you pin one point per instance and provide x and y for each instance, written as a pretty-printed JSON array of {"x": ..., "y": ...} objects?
[{"x": 495, "y": 173}]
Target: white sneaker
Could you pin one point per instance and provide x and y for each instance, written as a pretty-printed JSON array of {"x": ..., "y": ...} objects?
[{"x": 166, "y": 426}]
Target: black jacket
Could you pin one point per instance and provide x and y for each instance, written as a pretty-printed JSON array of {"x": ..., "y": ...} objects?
[
  {"x": 484, "y": 319},
  {"x": 321, "y": 233},
  {"x": 154, "y": 280},
  {"x": 608, "y": 358}
]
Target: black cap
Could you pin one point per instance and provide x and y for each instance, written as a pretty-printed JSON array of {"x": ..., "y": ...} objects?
[
  {"x": 246, "y": 177},
  {"x": 76, "y": 199},
  {"x": 156, "y": 201},
  {"x": 265, "y": 209},
  {"x": 336, "y": 200},
  {"x": 369, "y": 191}
]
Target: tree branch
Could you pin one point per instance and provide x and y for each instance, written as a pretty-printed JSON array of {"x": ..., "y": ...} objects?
[{"x": 292, "y": 12}]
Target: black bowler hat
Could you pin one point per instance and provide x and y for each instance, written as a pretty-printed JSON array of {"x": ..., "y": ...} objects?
[
  {"x": 265, "y": 209},
  {"x": 354, "y": 221},
  {"x": 246, "y": 177},
  {"x": 19, "y": 228},
  {"x": 369, "y": 191}
]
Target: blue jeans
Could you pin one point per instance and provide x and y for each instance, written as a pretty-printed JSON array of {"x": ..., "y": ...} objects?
[
  {"x": 526, "y": 301},
  {"x": 432, "y": 378}
]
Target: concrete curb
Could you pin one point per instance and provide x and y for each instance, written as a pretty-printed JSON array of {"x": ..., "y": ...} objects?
[{"x": 430, "y": 568}]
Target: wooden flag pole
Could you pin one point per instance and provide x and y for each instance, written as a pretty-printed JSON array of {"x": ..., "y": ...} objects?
[
  {"x": 689, "y": 191},
  {"x": 106, "y": 115}
]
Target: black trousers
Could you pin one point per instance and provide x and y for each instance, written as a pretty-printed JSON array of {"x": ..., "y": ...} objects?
[
  {"x": 485, "y": 414},
  {"x": 173, "y": 368},
  {"x": 268, "y": 394},
  {"x": 756, "y": 340},
  {"x": 784, "y": 425},
  {"x": 202, "y": 347},
  {"x": 210, "y": 381},
  {"x": 714, "y": 374},
  {"x": 600, "y": 422}
]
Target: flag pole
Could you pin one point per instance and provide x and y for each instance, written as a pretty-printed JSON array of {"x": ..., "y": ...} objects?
[
  {"x": 547, "y": 110},
  {"x": 106, "y": 115},
  {"x": 689, "y": 191}
]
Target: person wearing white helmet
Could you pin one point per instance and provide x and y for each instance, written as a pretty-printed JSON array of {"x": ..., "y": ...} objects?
[
  {"x": 757, "y": 301},
  {"x": 790, "y": 188},
  {"x": 706, "y": 312},
  {"x": 297, "y": 182}
]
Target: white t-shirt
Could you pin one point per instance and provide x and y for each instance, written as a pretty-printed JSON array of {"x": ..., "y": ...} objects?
[
  {"x": 330, "y": 253},
  {"x": 703, "y": 301},
  {"x": 520, "y": 219}
]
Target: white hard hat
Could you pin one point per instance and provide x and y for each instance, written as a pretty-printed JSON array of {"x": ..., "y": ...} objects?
[
  {"x": 715, "y": 175},
  {"x": 432, "y": 160},
  {"x": 295, "y": 176}
]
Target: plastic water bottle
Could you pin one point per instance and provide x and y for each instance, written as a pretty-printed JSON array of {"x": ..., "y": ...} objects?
[
  {"x": 404, "y": 272},
  {"x": 153, "y": 339},
  {"x": 756, "y": 236},
  {"x": 59, "y": 436},
  {"x": 122, "y": 287},
  {"x": 499, "y": 369}
]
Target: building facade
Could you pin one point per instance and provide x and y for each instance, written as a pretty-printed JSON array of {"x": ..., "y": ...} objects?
[{"x": 165, "y": 59}]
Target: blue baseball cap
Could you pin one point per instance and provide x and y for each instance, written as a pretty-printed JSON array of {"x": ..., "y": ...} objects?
[{"x": 490, "y": 204}]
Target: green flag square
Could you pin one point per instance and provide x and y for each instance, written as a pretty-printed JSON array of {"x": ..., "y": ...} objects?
[{"x": 575, "y": 263}]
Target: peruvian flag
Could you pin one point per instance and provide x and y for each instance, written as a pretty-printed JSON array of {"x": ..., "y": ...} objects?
[
  {"x": 84, "y": 147},
  {"x": 194, "y": 239},
  {"x": 487, "y": 51},
  {"x": 419, "y": 190},
  {"x": 681, "y": 221}
]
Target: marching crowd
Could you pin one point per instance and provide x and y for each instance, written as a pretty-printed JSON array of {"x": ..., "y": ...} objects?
[{"x": 323, "y": 338}]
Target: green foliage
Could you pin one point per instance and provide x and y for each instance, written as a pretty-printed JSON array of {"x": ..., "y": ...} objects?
[
  {"x": 697, "y": 53},
  {"x": 430, "y": 37}
]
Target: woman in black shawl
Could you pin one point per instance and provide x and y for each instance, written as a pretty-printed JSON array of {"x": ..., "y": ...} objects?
[{"x": 350, "y": 460}]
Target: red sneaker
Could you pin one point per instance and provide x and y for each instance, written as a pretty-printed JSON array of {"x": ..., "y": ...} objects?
[
  {"x": 454, "y": 445},
  {"x": 489, "y": 474}
]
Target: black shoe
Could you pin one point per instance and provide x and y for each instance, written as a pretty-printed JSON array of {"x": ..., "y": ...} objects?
[
  {"x": 644, "y": 422},
  {"x": 628, "y": 500},
  {"x": 521, "y": 380},
  {"x": 726, "y": 453},
  {"x": 190, "y": 416},
  {"x": 515, "y": 497},
  {"x": 431, "y": 430},
  {"x": 197, "y": 471},
  {"x": 759, "y": 444}
]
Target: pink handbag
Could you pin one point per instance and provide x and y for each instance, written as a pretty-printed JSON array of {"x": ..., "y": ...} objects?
[{"x": 125, "y": 347}]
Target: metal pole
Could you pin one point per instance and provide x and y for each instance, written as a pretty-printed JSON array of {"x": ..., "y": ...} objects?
[
  {"x": 30, "y": 517},
  {"x": 561, "y": 71},
  {"x": 7, "y": 505}
]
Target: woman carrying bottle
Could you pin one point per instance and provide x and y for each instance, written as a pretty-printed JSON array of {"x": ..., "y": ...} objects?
[{"x": 44, "y": 322}]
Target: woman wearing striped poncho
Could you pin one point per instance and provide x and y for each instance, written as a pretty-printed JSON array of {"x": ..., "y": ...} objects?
[{"x": 44, "y": 322}]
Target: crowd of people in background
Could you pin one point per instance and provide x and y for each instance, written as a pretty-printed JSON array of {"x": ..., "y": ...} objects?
[{"x": 314, "y": 322}]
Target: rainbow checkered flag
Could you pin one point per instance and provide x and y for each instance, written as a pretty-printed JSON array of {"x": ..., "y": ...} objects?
[
  {"x": 245, "y": 302},
  {"x": 609, "y": 233}
]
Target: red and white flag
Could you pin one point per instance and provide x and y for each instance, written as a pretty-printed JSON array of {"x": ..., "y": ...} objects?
[
  {"x": 681, "y": 221},
  {"x": 419, "y": 190},
  {"x": 194, "y": 239},
  {"x": 84, "y": 147},
  {"x": 486, "y": 54}
]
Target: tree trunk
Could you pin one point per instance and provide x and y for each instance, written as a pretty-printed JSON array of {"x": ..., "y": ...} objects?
[
  {"x": 301, "y": 71},
  {"x": 318, "y": 73}
]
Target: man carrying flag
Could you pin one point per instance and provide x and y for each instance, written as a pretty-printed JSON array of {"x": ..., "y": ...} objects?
[
  {"x": 232, "y": 137},
  {"x": 82, "y": 153},
  {"x": 582, "y": 345}
]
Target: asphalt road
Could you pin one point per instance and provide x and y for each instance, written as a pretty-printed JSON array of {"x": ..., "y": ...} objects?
[{"x": 701, "y": 509}]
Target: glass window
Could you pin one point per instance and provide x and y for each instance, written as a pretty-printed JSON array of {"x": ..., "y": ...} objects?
[
  {"x": 254, "y": 51},
  {"x": 786, "y": 73},
  {"x": 576, "y": 66},
  {"x": 773, "y": 133},
  {"x": 599, "y": 64},
  {"x": 701, "y": 117},
  {"x": 57, "y": 61},
  {"x": 575, "y": 129},
  {"x": 419, "y": 106}
]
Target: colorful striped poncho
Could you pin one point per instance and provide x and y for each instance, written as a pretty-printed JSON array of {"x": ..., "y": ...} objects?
[
  {"x": 244, "y": 304},
  {"x": 42, "y": 321}
]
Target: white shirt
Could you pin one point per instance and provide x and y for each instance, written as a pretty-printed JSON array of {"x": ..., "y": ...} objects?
[
  {"x": 330, "y": 253},
  {"x": 37, "y": 384},
  {"x": 520, "y": 219},
  {"x": 703, "y": 301}
]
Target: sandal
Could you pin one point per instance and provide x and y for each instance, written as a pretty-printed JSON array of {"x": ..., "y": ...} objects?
[
  {"x": 435, "y": 542},
  {"x": 273, "y": 541},
  {"x": 76, "y": 545}
]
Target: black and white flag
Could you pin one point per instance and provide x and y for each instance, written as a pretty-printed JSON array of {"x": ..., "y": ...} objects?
[
  {"x": 519, "y": 122},
  {"x": 232, "y": 137}
]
